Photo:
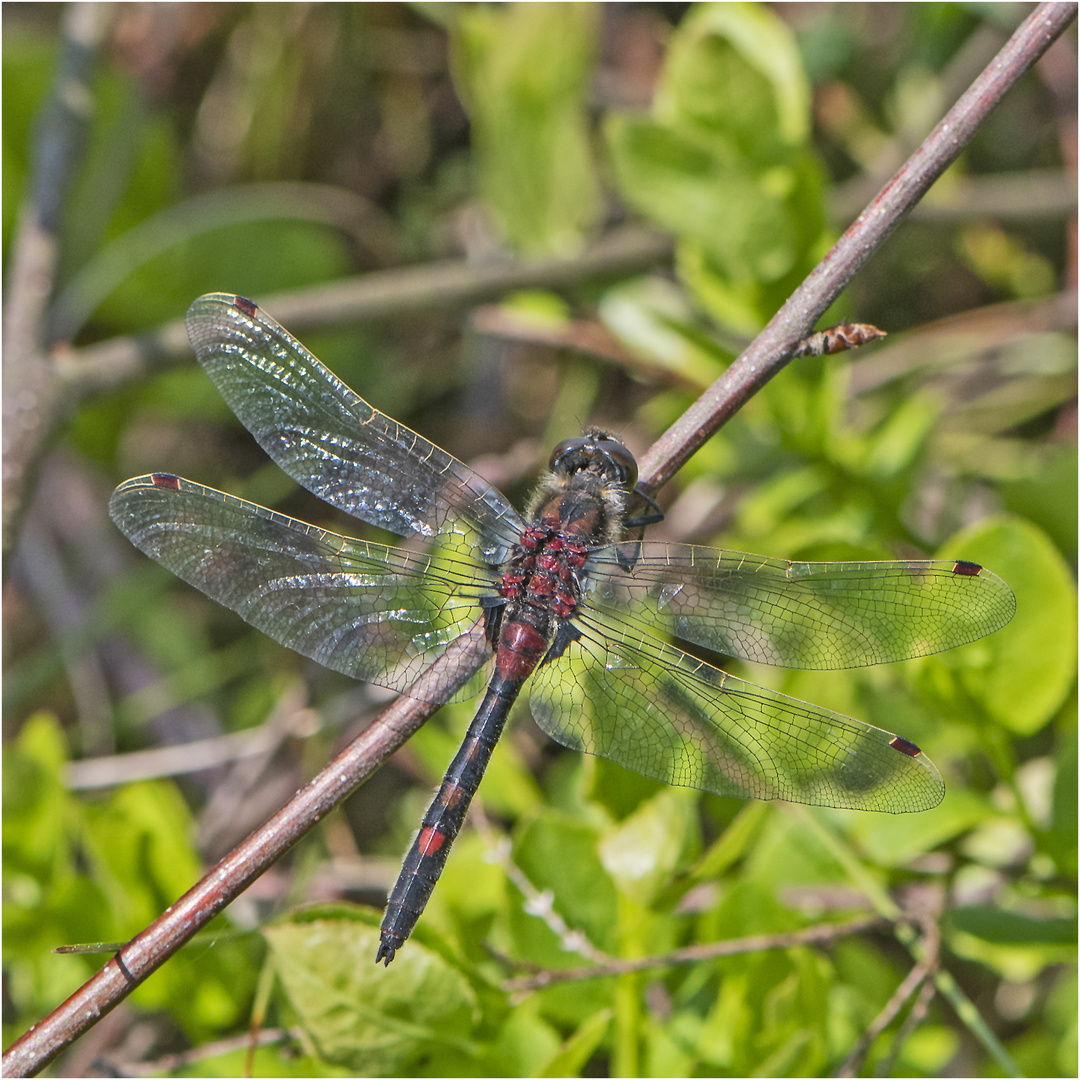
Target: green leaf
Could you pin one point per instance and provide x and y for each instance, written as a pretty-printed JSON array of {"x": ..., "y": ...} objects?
[
  {"x": 735, "y": 68},
  {"x": 35, "y": 796},
  {"x": 653, "y": 317},
  {"x": 642, "y": 852},
  {"x": 528, "y": 118},
  {"x": 722, "y": 162},
  {"x": 736, "y": 212},
  {"x": 525, "y": 1043},
  {"x": 559, "y": 854},
  {"x": 579, "y": 1048},
  {"x": 372, "y": 1020},
  {"x": 1013, "y": 927},
  {"x": 1029, "y": 666},
  {"x": 154, "y": 863},
  {"x": 897, "y": 839}
]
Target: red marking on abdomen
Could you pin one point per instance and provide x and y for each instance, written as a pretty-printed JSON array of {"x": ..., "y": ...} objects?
[
  {"x": 249, "y": 308},
  {"x": 904, "y": 746},
  {"x": 165, "y": 480},
  {"x": 430, "y": 840},
  {"x": 521, "y": 646},
  {"x": 967, "y": 569}
]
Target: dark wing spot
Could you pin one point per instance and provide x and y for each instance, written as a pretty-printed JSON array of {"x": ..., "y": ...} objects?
[
  {"x": 968, "y": 569},
  {"x": 166, "y": 480},
  {"x": 904, "y": 746},
  {"x": 248, "y": 307}
]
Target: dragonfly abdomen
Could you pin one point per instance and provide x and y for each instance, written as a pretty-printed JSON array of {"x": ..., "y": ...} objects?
[{"x": 427, "y": 856}]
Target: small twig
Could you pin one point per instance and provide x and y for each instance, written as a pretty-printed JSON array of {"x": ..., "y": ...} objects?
[
  {"x": 542, "y": 905},
  {"x": 384, "y": 294},
  {"x": 33, "y": 390},
  {"x": 1020, "y": 197},
  {"x": 289, "y": 720},
  {"x": 912, "y": 1021},
  {"x": 693, "y": 954},
  {"x": 772, "y": 348},
  {"x": 589, "y": 337},
  {"x": 171, "y": 1064},
  {"x": 920, "y": 976},
  {"x": 915, "y": 978}
]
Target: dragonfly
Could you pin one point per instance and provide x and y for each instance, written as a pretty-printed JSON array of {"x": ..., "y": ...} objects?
[{"x": 570, "y": 597}]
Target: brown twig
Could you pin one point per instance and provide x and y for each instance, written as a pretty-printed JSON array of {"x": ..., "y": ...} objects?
[
  {"x": 693, "y": 954},
  {"x": 384, "y": 294},
  {"x": 918, "y": 981},
  {"x": 763, "y": 359},
  {"x": 33, "y": 390},
  {"x": 171, "y": 1064}
]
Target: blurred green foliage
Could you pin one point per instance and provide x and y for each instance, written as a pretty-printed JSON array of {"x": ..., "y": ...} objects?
[{"x": 262, "y": 148}]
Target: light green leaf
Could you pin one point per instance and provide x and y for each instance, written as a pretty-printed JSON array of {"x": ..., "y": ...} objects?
[
  {"x": 576, "y": 1051},
  {"x": 528, "y": 118},
  {"x": 1030, "y": 665},
  {"x": 722, "y": 162},
  {"x": 372, "y": 1020},
  {"x": 642, "y": 852},
  {"x": 141, "y": 843},
  {"x": 653, "y": 317},
  {"x": 736, "y": 68}
]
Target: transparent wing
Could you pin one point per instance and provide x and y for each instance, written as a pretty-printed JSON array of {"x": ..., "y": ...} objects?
[
  {"x": 334, "y": 443},
  {"x": 376, "y": 613},
  {"x": 650, "y": 707},
  {"x": 804, "y": 615}
]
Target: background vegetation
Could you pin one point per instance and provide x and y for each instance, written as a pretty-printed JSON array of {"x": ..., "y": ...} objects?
[{"x": 267, "y": 148}]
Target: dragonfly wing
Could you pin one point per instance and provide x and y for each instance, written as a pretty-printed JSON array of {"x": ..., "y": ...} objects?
[
  {"x": 650, "y": 707},
  {"x": 799, "y": 614},
  {"x": 376, "y": 613},
  {"x": 334, "y": 443}
]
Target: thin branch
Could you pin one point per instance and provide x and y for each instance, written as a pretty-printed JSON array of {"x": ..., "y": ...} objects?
[
  {"x": 541, "y": 903},
  {"x": 918, "y": 1013},
  {"x": 694, "y": 954},
  {"x": 1031, "y": 195},
  {"x": 290, "y": 719},
  {"x": 917, "y": 979},
  {"x": 384, "y": 294},
  {"x": 33, "y": 390},
  {"x": 760, "y": 362},
  {"x": 171, "y": 1064}
]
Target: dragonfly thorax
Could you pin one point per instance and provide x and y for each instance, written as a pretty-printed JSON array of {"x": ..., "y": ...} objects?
[{"x": 587, "y": 491}]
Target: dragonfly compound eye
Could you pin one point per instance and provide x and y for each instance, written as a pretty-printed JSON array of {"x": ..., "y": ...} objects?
[
  {"x": 622, "y": 460},
  {"x": 599, "y": 453}
]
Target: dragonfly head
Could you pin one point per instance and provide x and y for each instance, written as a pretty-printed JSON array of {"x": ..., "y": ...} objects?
[{"x": 597, "y": 452}]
